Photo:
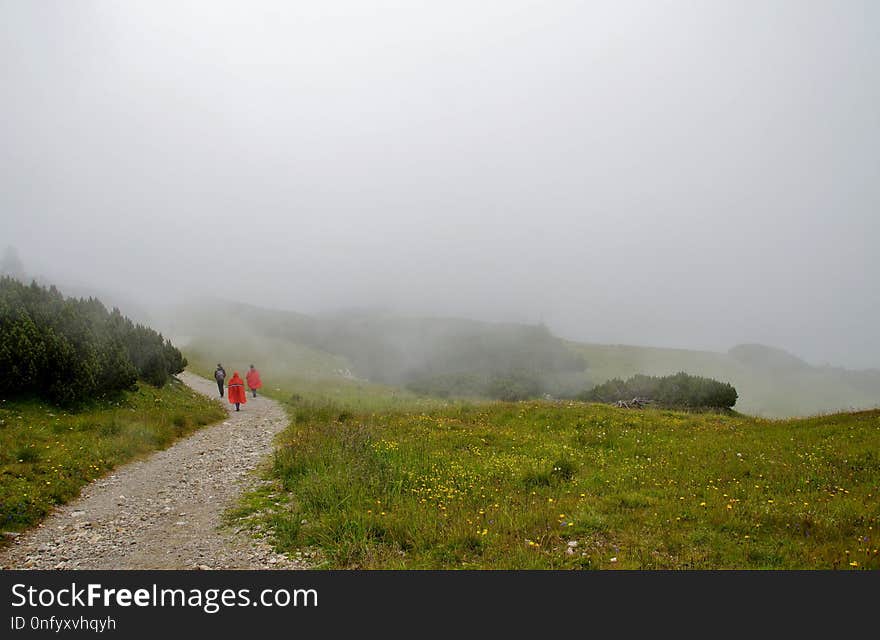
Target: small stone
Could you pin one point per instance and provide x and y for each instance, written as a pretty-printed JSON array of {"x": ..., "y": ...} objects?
[{"x": 572, "y": 543}]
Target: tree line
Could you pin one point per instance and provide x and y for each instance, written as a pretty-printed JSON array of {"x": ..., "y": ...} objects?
[{"x": 67, "y": 350}]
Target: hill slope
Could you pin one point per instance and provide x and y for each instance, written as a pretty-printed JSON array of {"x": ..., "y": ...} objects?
[
  {"x": 437, "y": 355},
  {"x": 455, "y": 357}
]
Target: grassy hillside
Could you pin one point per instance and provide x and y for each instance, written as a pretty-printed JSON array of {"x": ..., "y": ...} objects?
[
  {"x": 437, "y": 356},
  {"x": 274, "y": 357},
  {"x": 461, "y": 358},
  {"x": 240, "y": 335},
  {"x": 48, "y": 454},
  {"x": 572, "y": 485}
]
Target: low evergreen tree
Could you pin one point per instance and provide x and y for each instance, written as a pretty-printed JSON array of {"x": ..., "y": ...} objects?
[{"x": 67, "y": 350}]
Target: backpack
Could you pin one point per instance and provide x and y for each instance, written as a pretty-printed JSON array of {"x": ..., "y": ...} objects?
[{"x": 220, "y": 374}]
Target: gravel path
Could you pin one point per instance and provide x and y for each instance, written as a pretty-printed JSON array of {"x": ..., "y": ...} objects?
[{"x": 164, "y": 511}]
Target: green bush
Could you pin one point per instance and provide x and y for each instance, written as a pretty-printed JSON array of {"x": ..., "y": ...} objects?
[
  {"x": 679, "y": 391},
  {"x": 67, "y": 350}
]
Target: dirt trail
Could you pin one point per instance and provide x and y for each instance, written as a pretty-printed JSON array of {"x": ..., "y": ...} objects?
[{"x": 164, "y": 512}]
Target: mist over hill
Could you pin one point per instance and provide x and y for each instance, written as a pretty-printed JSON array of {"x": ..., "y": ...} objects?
[{"x": 461, "y": 357}]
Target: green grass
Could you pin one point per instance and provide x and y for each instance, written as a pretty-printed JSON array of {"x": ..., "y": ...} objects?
[
  {"x": 574, "y": 486},
  {"x": 48, "y": 454}
]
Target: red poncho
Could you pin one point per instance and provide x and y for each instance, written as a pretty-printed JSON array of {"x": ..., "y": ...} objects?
[
  {"x": 236, "y": 390},
  {"x": 253, "y": 379}
]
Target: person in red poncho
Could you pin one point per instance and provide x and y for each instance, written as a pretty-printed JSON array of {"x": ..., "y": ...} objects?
[
  {"x": 236, "y": 393},
  {"x": 253, "y": 380}
]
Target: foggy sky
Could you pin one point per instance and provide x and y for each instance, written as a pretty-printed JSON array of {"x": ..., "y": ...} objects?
[{"x": 689, "y": 174}]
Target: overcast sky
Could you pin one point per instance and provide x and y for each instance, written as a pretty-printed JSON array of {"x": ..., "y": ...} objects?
[{"x": 690, "y": 174}]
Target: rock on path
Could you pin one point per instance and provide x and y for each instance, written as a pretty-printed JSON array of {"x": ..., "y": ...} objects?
[{"x": 164, "y": 511}]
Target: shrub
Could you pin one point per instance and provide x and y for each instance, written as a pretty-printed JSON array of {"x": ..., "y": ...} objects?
[
  {"x": 155, "y": 370},
  {"x": 679, "y": 391}
]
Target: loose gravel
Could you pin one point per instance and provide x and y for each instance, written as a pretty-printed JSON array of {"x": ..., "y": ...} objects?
[{"x": 165, "y": 511}]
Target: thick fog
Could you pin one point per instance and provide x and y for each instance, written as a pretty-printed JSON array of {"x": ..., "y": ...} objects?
[{"x": 689, "y": 174}]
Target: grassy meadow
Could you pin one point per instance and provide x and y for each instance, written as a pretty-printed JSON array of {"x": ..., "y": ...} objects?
[
  {"x": 540, "y": 485},
  {"x": 48, "y": 454},
  {"x": 373, "y": 476}
]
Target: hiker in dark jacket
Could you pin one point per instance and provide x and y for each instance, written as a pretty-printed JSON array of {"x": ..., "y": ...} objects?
[{"x": 220, "y": 377}]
